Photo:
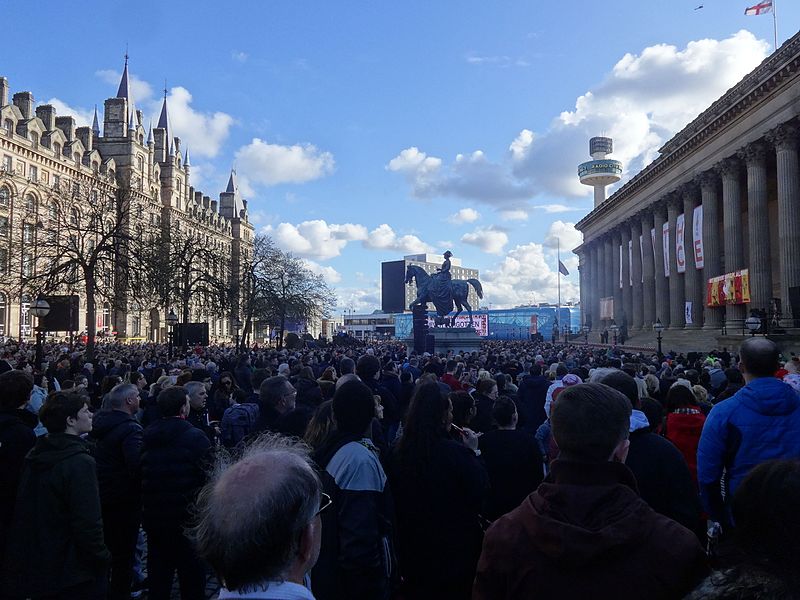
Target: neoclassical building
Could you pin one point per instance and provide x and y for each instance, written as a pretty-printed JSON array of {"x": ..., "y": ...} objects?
[
  {"x": 42, "y": 154},
  {"x": 723, "y": 198}
]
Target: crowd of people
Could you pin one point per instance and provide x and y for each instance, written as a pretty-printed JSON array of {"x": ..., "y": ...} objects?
[{"x": 524, "y": 469}]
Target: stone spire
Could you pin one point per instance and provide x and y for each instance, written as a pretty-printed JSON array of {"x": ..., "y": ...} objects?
[
  {"x": 186, "y": 162},
  {"x": 233, "y": 188},
  {"x": 150, "y": 134},
  {"x": 132, "y": 117},
  {"x": 124, "y": 89},
  {"x": 96, "y": 123},
  {"x": 163, "y": 119}
]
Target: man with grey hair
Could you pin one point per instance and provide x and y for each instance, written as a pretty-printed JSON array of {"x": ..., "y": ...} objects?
[
  {"x": 198, "y": 413},
  {"x": 268, "y": 550},
  {"x": 278, "y": 408},
  {"x": 118, "y": 445}
]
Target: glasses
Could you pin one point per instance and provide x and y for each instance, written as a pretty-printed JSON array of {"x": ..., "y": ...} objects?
[{"x": 325, "y": 502}]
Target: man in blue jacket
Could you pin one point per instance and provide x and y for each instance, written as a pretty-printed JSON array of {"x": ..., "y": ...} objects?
[{"x": 760, "y": 422}]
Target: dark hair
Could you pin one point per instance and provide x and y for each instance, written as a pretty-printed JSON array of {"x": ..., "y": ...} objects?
[
  {"x": 589, "y": 420},
  {"x": 405, "y": 377},
  {"x": 680, "y": 396},
  {"x": 624, "y": 383},
  {"x": 765, "y": 512},
  {"x": 320, "y": 426},
  {"x": 367, "y": 367},
  {"x": 424, "y": 425},
  {"x": 734, "y": 376},
  {"x": 536, "y": 370},
  {"x": 171, "y": 400},
  {"x": 58, "y": 407},
  {"x": 347, "y": 365},
  {"x": 353, "y": 408},
  {"x": 134, "y": 377},
  {"x": 450, "y": 366},
  {"x": 760, "y": 356},
  {"x": 485, "y": 386},
  {"x": 654, "y": 412},
  {"x": 17, "y": 387},
  {"x": 272, "y": 389},
  {"x": 503, "y": 411},
  {"x": 561, "y": 370},
  {"x": 462, "y": 404}
]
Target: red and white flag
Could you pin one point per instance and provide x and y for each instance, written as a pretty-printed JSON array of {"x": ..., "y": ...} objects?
[{"x": 761, "y": 8}]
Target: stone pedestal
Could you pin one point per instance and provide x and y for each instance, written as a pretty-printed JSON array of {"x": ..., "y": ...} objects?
[{"x": 457, "y": 339}]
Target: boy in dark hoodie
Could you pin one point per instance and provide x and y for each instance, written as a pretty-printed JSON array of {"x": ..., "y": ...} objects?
[{"x": 585, "y": 532}]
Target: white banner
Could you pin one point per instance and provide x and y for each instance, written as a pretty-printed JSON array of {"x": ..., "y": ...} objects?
[
  {"x": 665, "y": 244},
  {"x": 688, "y": 315},
  {"x": 479, "y": 322},
  {"x": 697, "y": 237},
  {"x": 641, "y": 253},
  {"x": 653, "y": 243},
  {"x": 620, "y": 267},
  {"x": 630, "y": 263},
  {"x": 680, "y": 251}
]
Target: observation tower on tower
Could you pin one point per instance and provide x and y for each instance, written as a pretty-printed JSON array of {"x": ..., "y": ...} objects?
[{"x": 600, "y": 171}]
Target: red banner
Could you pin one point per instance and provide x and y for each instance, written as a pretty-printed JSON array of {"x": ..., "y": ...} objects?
[{"x": 731, "y": 288}]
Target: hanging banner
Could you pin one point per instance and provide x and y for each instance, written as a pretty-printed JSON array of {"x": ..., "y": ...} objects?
[
  {"x": 607, "y": 307},
  {"x": 731, "y": 288},
  {"x": 641, "y": 254},
  {"x": 665, "y": 243},
  {"x": 620, "y": 267},
  {"x": 688, "y": 313},
  {"x": 653, "y": 244},
  {"x": 630, "y": 263},
  {"x": 697, "y": 237},
  {"x": 680, "y": 252},
  {"x": 533, "y": 329}
]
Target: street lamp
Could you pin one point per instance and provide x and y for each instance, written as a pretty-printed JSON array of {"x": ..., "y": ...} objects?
[
  {"x": 753, "y": 323},
  {"x": 614, "y": 329},
  {"x": 237, "y": 325},
  {"x": 658, "y": 328},
  {"x": 40, "y": 309},
  {"x": 172, "y": 320},
  {"x": 586, "y": 335}
]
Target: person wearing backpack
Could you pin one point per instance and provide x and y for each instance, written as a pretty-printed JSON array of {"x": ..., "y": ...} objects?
[{"x": 238, "y": 421}]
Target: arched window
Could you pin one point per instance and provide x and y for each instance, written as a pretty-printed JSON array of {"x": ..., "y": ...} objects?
[
  {"x": 30, "y": 203},
  {"x": 24, "y": 316},
  {"x": 74, "y": 216},
  {"x": 140, "y": 163},
  {"x": 4, "y": 196}
]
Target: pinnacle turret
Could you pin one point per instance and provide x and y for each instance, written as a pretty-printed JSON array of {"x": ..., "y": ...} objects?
[
  {"x": 96, "y": 123},
  {"x": 186, "y": 162}
]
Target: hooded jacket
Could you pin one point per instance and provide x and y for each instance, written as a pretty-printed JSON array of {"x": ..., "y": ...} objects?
[
  {"x": 16, "y": 439},
  {"x": 585, "y": 533},
  {"x": 118, "y": 447},
  {"x": 56, "y": 539},
  {"x": 760, "y": 422}
]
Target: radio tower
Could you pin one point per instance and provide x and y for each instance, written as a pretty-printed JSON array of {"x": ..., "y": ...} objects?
[{"x": 600, "y": 171}]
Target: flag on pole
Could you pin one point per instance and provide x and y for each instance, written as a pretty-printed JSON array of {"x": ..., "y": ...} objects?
[
  {"x": 562, "y": 269},
  {"x": 762, "y": 8}
]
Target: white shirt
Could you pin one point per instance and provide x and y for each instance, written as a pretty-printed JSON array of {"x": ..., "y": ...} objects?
[{"x": 270, "y": 590}]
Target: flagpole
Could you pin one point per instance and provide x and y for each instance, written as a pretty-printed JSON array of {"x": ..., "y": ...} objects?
[
  {"x": 558, "y": 268},
  {"x": 775, "y": 22}
]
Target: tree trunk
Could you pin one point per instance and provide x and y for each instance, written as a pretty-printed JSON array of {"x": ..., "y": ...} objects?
[
  {"x": 281, "y": 330},
  {"x": 91, "y": 317}
]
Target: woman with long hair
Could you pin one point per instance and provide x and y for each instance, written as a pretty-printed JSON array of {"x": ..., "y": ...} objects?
[
  {"x": 685, "y": 423},
  {"x": 440, "y": 487}
]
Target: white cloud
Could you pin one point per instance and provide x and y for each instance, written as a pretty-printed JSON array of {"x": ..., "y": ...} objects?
[
  {"x": 315, "y": 239},
  {"x": 514, "y": 214},
  {"x": 270, "y": 164},
  {"x": 83, "y": 116},
  {"x": 643, "y": 101},
  {"x": 564, "y": 234},
  {"x": 239, "y": 56},
  {"x": 523, "y": 276},
  {"x": 383, "y": 237},
  {"x": 140, "y": 89},
  {"x": 330, "y": 274},
  {"x": 502, "y": 60},
  {"x": 556, "y": 208},
  {"x": 361, "y": 299},
  {"x": 465, "y": 215},
  {"x": 488, "y": 239}
]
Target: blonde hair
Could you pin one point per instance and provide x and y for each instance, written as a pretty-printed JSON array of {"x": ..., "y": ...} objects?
[{"x": 700, "y": 393}]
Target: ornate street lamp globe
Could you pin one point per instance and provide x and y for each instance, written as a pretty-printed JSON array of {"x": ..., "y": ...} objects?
[
  {"x": 40, "y": 308},
  {"x": 172, "y": 318},
  {"x": 658, "y": 327},
  {"x": 753, "y": 323}
]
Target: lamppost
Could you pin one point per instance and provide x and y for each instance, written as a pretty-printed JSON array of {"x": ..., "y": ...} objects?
[
  {"x": 753, "y": 324},
  {"x": 172, "y": 320},
  {"x": 614, "y": 329},
  {"x": 586, "y": 335},
  {"x": 658, "y": 328},
  {"x": 237, "y": 325},
  {"x": 39, "y": 309}
]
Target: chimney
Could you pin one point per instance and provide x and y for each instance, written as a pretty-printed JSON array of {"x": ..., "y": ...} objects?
[
  {"x": 114, "y": 123},
  {"x": 3, "y": 91},
  {"x": 206, "y": 202},
  {"x": 85, "y": 136},
  {"x": 213, "y": 204},
  {"x": 198, "y": 197},
  {"x": 47, "y": 114},
  {"x": 67, "y": 125},
  {"x": 24, "y": 102}
]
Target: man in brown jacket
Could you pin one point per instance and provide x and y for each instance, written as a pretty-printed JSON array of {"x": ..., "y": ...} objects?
[{"x": 586, "y": 533}]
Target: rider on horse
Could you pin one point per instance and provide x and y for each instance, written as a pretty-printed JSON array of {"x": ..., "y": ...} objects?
[{"x": 440, "y": 290}]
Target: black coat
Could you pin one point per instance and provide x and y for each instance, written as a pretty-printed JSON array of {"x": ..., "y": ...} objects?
[
  {"x": 16, "y": 439},
  {"x": 483, "y": 420},
  {"x": 175, "y": 456},
  {"x": 118, "y": 448},
  {"x": 530, "y": 402},
  {"x": 56, "y": 539}
]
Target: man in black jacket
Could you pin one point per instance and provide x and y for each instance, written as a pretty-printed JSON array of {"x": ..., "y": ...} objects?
[
  {"x": 530, "y": 399},
  {"x": 175, "y": 455},
  {"x": 16, "y": 438},
  {"x": 118, "y": 445}
]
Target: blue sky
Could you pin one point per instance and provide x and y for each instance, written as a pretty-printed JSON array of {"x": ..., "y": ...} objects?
[{"x": 362, "y": 131}]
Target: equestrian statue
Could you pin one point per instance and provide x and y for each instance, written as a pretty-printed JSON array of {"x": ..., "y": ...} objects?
[{"x": 442, "y": 290}]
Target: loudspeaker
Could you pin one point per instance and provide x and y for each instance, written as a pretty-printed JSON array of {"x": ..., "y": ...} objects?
[
  {"x": 419, "y": 321},
  {"x": 191, "y": 334},
  {"x": 64, "y": 314},
  {"x": 794, "y": 302},
  {"x": 430, "y": 343}
]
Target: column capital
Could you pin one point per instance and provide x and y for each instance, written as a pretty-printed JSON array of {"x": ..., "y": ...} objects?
[
  {"x": 754, "y": 154},
  {"x": 674, "y": 201},
  {"x": 636, "y": 226},
  {"x": 689, "y": 190},
  {"x": 616, "y": 233},
  {"x": 708, "y": 180},
  {"x": 660, "y": 208},
  {"x": 729, "y": 167},
  {"x": 785, "y": 136}
]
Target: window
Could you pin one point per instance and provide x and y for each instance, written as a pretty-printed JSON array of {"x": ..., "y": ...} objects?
[
  {"x": 56, "y": 181},
  {"x": 3, "y": 226},
  {"x": 45, "y": 177},
  {"x": 30, "y": 203},
  {"x": 27, "y": 265},
  {"x": 8, "y": 163},
  {"x": 25, "y": 316},
  {"x": 74, "y": 216},
  {"x": 33, "y": 174},
  {"x": 4, "y": 196},
  {"x": 35, "y": 139},
  {"x": 3, "y": 313},
  {"x": 77, "y": 158},
  {"x": 57, "y": 150},
  {"x": 9, "y": 125},
  {"x": 52, "y": 211},
  {"x": 20, "y": 168},
  {"x": 27, "y": 233},
  {"x": 4, "y": 260}
]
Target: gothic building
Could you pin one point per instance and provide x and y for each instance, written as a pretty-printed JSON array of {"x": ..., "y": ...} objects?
[{"x": 42, "y": 154}]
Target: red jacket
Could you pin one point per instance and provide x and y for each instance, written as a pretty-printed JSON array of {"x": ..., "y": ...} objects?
[
  {"x": 683, "y": 430},
  {"x": 454, "y": 383},
  {"x": 586, "y": 533}
]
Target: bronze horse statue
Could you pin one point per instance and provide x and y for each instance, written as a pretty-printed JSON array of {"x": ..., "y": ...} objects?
[{"x": 443, "y": 299}]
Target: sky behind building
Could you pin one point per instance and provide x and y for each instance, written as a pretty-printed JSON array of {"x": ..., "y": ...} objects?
[{"x": 362, "y": 131}]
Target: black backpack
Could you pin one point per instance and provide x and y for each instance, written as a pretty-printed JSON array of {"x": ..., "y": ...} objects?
[{"x": 238, "y": 421}]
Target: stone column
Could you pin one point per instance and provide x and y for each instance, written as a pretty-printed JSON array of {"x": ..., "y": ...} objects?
[
  {"x": 730, "y": 170},
  {"x": 594, "y": 295},
  {"x": 636, "y": 274},
  {"x": 582, "y": 283},
  {"x": 627, "y": 290},
  {"x": 760, "y": 265},
  {"x": 648, "y": 271},
  {"x": 785, "y": 138},
  {"x": 693, "y": 289},
  {"x": 712, "y": 249},
  {"x": 616, "y": 237},
  {"x": 608, "y": 273},
  {"x": 662, "y": 282},
  {"x": 676, "y": 287}
]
